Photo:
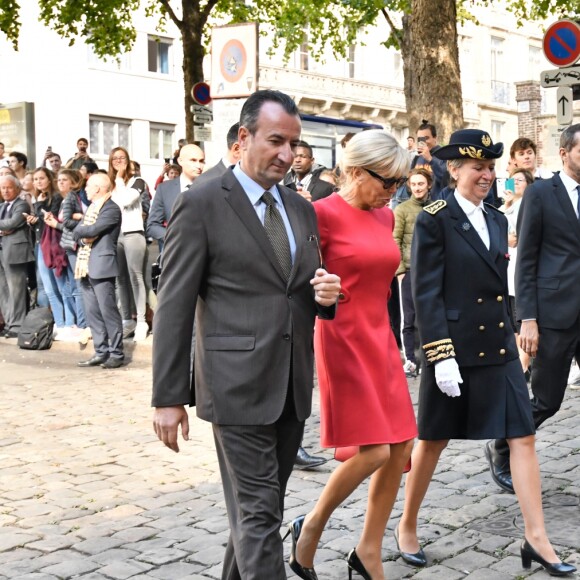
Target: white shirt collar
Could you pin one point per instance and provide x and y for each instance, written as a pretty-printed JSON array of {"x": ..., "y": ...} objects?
[
  {"x": 184, "y": 183},
  {"x": 568, "y": 182},
  {"x": 467, "y": 206}
]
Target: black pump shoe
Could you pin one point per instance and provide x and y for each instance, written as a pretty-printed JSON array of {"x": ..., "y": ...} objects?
[
  {"x": 417, "y": 559},
  {"x": 355, "y": 564},
  {"x": 294, "y": 529},
  {"x": 528, "y": 554}
]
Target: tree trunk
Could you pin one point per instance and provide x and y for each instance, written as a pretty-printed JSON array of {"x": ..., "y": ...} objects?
[
  {"x": 193, "y": 53},
  {"x": 431, "y": 66}
]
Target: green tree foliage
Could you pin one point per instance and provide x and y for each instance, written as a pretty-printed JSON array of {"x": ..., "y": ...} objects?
[{"x": 107, "y": 26}]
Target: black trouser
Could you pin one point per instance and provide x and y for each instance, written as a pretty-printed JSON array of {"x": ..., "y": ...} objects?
[
  {"x": 394, "y": 308},
  {"x": 550, "y": 374},
  {"x": 408, "y": 317}
]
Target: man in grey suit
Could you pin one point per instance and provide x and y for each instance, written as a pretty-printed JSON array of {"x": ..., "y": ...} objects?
[
  {"x": 97, "y": 269},
  {"x": 192, "y": 160},
  {"x": 231, "y": 157},
  {"x": 547, "y": 283},
  {"x": 242, "y": 257},
  {"x": 15, "y": 253}
]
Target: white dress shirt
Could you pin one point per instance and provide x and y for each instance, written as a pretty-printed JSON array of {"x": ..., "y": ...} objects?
[
  {"x": 475, "y": 215},
  {"x": 571, "y": 188}
]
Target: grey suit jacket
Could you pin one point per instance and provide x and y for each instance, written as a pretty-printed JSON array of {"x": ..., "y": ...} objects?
[
  {"x": 162, "y": 207},
  {"x": 548, "y": 262},
  {"x": 216, "y": 171},
  {"x": 103, "y": 258},
  {"x": 16, "y": 246},
  {"x": 254, "y": 330}
]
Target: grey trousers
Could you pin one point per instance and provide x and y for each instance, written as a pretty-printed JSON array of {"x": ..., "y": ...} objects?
[
  {"x": 103, "y": 317},
  {"x": 255, "y": 464},
  {"x": 13, "y": 293},
  {"x": 131, "y": 255}
]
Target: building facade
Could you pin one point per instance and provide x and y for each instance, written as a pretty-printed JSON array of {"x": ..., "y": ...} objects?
[{"x": 137, "y": 101}]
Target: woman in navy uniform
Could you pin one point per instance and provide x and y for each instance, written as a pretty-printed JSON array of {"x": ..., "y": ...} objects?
[{"x": 459, "y": 279}]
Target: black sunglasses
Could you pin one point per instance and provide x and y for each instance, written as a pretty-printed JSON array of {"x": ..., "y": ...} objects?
[{"x": 387, "y": 182}]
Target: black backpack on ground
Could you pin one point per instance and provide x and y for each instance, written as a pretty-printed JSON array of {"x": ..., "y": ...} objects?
[{"x": 36, "y": 330}]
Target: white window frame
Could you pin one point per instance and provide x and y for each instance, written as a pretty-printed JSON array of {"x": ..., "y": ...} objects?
[
  {"x": 97, "y": 146},
  {"x": 161, "y": 129},
  {"x": 160, "y": 40}
]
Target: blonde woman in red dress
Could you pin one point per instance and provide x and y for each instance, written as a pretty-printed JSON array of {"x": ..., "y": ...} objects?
[{"x": 365, "y": 402}]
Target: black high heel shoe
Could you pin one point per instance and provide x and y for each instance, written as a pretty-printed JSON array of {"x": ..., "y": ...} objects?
[
  {"x": 417, "y": 559},
  {"x": 528, "y": 554},
  {"x": 355, "y": 564},
  {"x": 294, "y": 529}
]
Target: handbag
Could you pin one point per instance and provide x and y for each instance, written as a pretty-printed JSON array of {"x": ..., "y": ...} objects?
[{"x": 67, "y": 240}]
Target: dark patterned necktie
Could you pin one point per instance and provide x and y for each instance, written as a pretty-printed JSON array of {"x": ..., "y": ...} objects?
[
  {"x": 578, "y": 202},
  {"x": 276, "y": 232},
  {"x": 4, "y": 211}
]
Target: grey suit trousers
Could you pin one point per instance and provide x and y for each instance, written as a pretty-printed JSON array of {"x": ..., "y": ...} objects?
[
  {"x": 255, "y": 464},
  {"x": 103, "y": 317},
  {"x": 13, "y": 293}
]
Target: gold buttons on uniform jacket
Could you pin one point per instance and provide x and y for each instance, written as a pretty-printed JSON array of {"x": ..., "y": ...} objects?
[
  {"x": 501, "y": 324},
  {"x": 481, "y": 354},
  {"x": 502, "y": 351},
  {"x": 482, "y": 327},
  {"x": 500, "y": 298},
  {"x": 480, "y": 300}
]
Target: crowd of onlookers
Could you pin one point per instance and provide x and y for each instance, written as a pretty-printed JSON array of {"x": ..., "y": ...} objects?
[
  {"x": 41, "y": 210},
  {"x": 56, "y": 202}
]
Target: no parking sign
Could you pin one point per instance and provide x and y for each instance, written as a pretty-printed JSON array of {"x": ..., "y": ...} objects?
[{"x": 562, "y": 43}]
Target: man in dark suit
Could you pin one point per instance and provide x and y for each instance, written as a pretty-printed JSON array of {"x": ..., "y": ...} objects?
[
  {"x": 97, "y": 269},
  {"x": 232, "y": 156},
  {"x": 192, "y": 160},
  {"x": 15, "y": 254},
  {"x": 242, "y": 257},
  {"x": 304, "y": 178},
  {"x": 547, "y": 283}
]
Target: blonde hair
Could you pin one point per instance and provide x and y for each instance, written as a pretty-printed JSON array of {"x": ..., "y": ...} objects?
[{"x": 376, "y": 150}]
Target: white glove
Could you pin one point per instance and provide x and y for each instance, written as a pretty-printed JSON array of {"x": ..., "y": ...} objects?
[{"x": 448, "y": 377}]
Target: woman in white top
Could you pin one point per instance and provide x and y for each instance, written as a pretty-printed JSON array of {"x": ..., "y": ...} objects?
[
  {"x": 522, "y": 178},
  {"x": 132, "y": 246}
]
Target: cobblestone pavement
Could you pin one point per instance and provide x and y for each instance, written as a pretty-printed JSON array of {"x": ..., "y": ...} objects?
[{"x": 87, "y": 491}]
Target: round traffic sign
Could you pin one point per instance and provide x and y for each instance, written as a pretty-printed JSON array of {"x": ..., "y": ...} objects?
[
  {"x": 562, "y": 43},
  {"x": 200, "y": 93}
]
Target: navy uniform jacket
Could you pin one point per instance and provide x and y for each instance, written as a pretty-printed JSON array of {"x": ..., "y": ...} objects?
[{"x": 460, "y": 287}]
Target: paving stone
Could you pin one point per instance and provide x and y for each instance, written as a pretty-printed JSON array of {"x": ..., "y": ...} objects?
[
  {"x": 71, "y": 568},
  {"x": 15, "y": 539},
  {"x": 162, "y": 556},
  {"x": 97, "y": 545},
  {"x": 52, "y": 543},
  {"x": 487, "y": 574},
  {"x": 176, "y": 571},
  {"x": 469, "y": 561},
  {"x": 103, "y": 484},
  {"x": 114, "y": 555},
  {"x": 435, "y": 572},
  {"x": 122, "y": 570}
]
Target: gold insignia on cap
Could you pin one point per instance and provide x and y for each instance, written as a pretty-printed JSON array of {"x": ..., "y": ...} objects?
[
  {"x": 486, "y": 140},
  {"x": 434, "y": 207},
  {"x": 471, "y": 152}
]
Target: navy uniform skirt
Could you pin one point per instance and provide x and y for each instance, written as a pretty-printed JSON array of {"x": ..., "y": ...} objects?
[{"x": 494, "y": 404}]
